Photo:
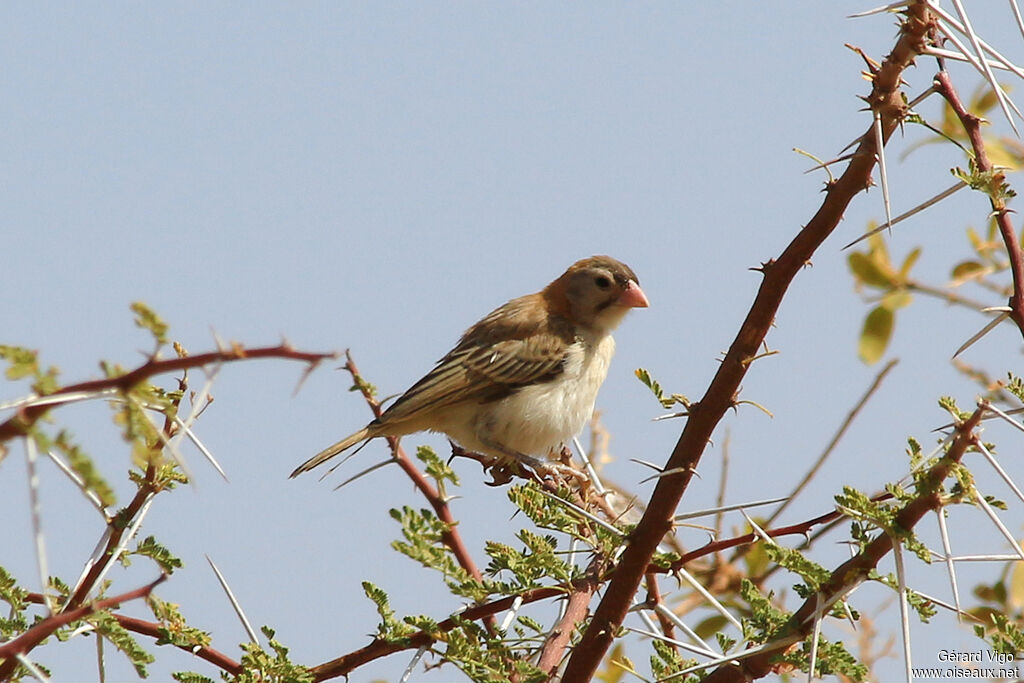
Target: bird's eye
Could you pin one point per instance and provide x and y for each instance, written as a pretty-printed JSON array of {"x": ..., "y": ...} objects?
[{"x": 602, "y": 282}]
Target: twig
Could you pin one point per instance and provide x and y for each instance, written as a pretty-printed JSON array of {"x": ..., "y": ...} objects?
[
  {"x": 451, "y": 537},
  {"x": 972, "y": 126},
  {"x": 153, "y": 630},
  {"x": 575, "y": 612},
  {"x": 28, "y": 415},
  {"x": 855, "y": 570},
  {"x": 705, "y": 416},
  {"x": 48, "y": 626}
]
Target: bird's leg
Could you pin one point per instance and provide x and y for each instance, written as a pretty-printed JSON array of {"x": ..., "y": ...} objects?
[
  {"x": 541, "y": 468},
  {"x": 497, "y": 467}
]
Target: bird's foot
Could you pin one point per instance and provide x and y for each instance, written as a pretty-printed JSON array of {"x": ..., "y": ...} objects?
[{"x": 511, "y": 464}]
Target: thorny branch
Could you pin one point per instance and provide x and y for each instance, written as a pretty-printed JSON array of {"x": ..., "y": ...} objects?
[
  {"x": 886, "y": 100},
  {"x": 152, "y": 629},
  {"x": 451, "y": 536},
  {"x": 377, "y": 649},
  {"x": 48, "y": 626},
  {"x": 852, "y": 572},
  {"x": 23, "y": 420},
  {"x": 76, "y": 606},
  {"x": 995, "y": 178}
]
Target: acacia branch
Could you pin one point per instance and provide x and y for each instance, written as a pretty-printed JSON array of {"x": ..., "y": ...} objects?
[
  {"x": 450, "y": 537},
  {"x": 23, "y": 420},
  {"x": 24, "y": 643},
  {"x": 887, "y": 102},
  {"x": 584, "y": 588},
  {"x": 152, "y": 629},
  {"x": 996, "y": 194},
  {"x": 855, "y": 570}
]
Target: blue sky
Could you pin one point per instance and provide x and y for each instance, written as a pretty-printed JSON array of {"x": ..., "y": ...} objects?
[{"x": 378, "y": 176}]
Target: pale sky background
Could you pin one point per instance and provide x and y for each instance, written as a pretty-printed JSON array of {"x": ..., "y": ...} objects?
[{"x": 377, "y": 176}]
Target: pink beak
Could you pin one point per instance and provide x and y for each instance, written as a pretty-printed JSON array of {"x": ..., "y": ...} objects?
[{"x": 633, "y": 297}]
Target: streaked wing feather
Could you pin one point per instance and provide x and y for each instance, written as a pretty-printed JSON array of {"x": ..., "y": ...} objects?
[{"x": 482, "y": 373}]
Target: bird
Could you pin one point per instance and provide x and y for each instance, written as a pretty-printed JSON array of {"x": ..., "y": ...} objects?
[{"x": 522, "y": 381}]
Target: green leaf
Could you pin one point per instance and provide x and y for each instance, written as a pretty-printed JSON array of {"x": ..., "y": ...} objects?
[
  {"x": 147, "y": 319},
  {"x": 149, "y": 547},
  {"x": 390, "y": 629},
  {"x": 108, "y": 627},
  {"x": 435, "y": 467},
  {"x": 896, "y": 299},
  {"x": 868, "y": 271},
  {"x": 83, "y": 466},
  {"x": 273, "y": 665},
  {"x": 965, "y": 270},
  {"x": 190, "y": 677},
  {"x": 174, "y": 630},
  {"x": 908, "y": 263},
  {"x": 874, "y": 338}
]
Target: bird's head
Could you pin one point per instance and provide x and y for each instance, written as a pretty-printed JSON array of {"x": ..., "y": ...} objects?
[{"x": 596, "y": 293}]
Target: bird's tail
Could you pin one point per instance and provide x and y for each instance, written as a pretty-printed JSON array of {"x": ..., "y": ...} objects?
[{"x": 331, "y": 451}]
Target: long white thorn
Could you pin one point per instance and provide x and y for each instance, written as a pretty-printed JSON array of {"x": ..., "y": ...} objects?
[
  {"x": 948, "y": 557},
  {"x": 116, "y": 554},
  {"x": 998, "y": 89},
  {"x": 981, "y": 68},
  {"x": 953, "y": 22},
  {"x": 580, "y": 511},
  {"x": 50, "y": 399},
  {"x": 729, "y": 508},
  {"x": 891, "y": 7},
  {"x": 758, "y": 530},
  {"x": 719, "y": 607},
  {"x": 1006, "y": 415},
  {"x": 774, "y": 645},
  {"x": 985, "y": 330},
  {"x": 42, "y": 565},
  {"x": 79, "y": 482},
  {"x": 31, "y": 667},
  {"x": 907, "y": 214},
  {"x": 369, "y": 469},
  {"x": 666, "y": 613},
  {"x": 901, "y": 586},
  {"x": 672, "y": 641},
  {"x": 883, "y": 176},
  {"x": 998, "y": 468},
  {"x": 980, "y": 499},
  {"x": 1016, "y": 15},
  {"x": 202, "y": 448},
  {"x": 959, "y": 57},
  {"x": 407, "y": 674},
  {"x": 234, "y": 602},
  {"x": 815, "y": 633},
  {"x": 511, "y": 614},
  {"x": 589, "y": 466}
]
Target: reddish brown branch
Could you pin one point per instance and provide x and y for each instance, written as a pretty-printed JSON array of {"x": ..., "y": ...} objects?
[
  {"x": 22, "y": 421},
  {"x": 972, "y": 126},
  {"x": 653, "y": 600},
  {"x": 117, "y": 527},
  {"x": 152, "y": 629},
  {"x": 849, "y": 574},
  {"x": 24, "y": 643},
  {"x": 575, "y": 612},
  {"x": 451, "y": 537},
  {"x": 345, "y": 664},
  {"x": 887, "y": 102}
]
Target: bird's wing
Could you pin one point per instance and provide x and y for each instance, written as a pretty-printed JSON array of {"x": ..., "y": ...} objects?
[{"x": 483, "y": 372}]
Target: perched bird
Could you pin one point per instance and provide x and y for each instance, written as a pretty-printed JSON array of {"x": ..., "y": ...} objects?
[{"x": 522, "y": 381}]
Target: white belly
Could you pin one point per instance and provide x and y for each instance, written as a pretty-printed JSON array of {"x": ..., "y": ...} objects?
[{"x": 537, "y": 420}]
